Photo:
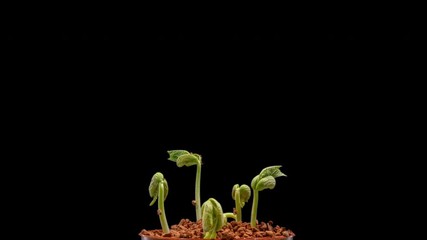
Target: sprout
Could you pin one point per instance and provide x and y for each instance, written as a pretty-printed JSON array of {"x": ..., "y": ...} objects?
[
  {"x": 210, "y": 213},
  {"x": 240, "y": 195},
  {"x": 158, "y": 190},
  {"x": 229, "y": 215},
  {"x": 185, "y": 158},
  {"x": 212, "y": 218},
  {"x": 266, "y": 179}
]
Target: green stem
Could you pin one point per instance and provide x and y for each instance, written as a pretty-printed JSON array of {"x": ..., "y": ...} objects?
[
  {"x": 162, "y": 213},
  {"x": 254, "y": 208},
  {"x": 238, "y": 207},
  {"x": 230, "y": 215},
  {"x": 197, "y": 191},
  {"x": 210, "y": 235}
]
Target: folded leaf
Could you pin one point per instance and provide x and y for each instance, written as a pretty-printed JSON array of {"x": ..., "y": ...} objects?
[
  {"x": 175, "y": 154},
  {"x": 266, "y": 178},
  {"x": 273, "y": 171},
  {"x": 245, "y": 194},
  {"x": 212, "y": 217},
  {"x": 267, "y": 182},
  {"x": 254, "y": 181},
  {"x": 153, "y": 188},
  {"x": 233, "y": 191},
  {"x": 154, "y": 184},
  {"x": 187, "y": 160}
]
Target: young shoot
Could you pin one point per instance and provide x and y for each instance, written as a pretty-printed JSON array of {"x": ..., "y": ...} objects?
[
  {"x": 212, "y": 218},
  {"x": 228, "y": 215},
  {"x": 185, "y": 158},
  {"x": 266, "y": 179},
  {"x": 158, "y": 190},
  {"x": 240, "y": 195}
]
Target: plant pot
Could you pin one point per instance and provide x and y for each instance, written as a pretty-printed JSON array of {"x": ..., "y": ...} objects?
[{"x": 254, "y": 238}]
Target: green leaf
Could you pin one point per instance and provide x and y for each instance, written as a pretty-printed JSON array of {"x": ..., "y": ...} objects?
[
  {"x": 268, "y": 172},
  {"x": 153, "y": 188},
  {"x": 212, "y": 217},
  {"x": 175, "y": 154},
  {"x": 154, "y": 184},
  {"x": 273, "y": 171},
  {"x": 153, "y": 201},
  {"x": 245, "y": 194},
  {"x": 254, "y": 181},
  {"x": 267, "y": 182},
  {"x": 207, "y": 216},
  {"x": 219, "y": 214},
  {"x": 233, "y": 191},
  {"x": 187, "y": 160}
]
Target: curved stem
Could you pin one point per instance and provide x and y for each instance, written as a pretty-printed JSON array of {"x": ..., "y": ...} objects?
[
  {"x": 197, "y": 191},
  {"x": 254, "y": 209},
  {"x": 238, "y": 207},
  {"x": 161, "y": 205},
  {"x": 230, "y": 215}
]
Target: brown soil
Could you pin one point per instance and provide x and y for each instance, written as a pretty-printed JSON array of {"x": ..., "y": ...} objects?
[{"x": 233, "y": 230}]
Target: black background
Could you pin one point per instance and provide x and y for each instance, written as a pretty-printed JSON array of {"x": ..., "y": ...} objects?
[{"x": 118, "y": 87}]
